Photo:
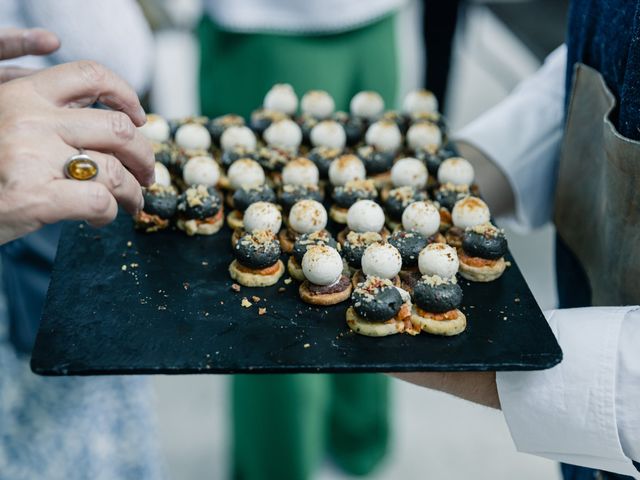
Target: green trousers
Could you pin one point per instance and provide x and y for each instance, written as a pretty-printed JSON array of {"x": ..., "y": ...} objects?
[{"x": 283, "y": 425}]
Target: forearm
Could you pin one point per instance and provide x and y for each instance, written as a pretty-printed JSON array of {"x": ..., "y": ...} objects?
[{"x": 476, "y": 387}]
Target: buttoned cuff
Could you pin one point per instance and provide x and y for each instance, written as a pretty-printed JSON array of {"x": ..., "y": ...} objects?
[{"x": 568, "y": 413}]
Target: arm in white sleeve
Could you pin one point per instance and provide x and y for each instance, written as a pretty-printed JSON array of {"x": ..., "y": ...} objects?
[
  {"x": 586, "y": 410},
  {"x": 522, "y": 136},
  {"x": 112, "y": 32}
]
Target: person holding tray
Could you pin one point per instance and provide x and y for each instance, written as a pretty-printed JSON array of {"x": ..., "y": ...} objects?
[
  {"x": 586, "y": 410},
  {"x": 72, "y": 428}
]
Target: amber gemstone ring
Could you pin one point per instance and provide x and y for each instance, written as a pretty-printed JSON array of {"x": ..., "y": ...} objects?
[{"x": 80, "y": 167}]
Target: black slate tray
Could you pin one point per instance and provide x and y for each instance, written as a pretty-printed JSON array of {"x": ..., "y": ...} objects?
[{"x": 122, "y": 302}]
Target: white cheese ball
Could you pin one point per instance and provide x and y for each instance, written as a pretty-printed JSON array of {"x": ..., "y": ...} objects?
[
  {"x": 238, "y": 137},
  {"x": 409, "y": 172},
  {"x": 318, "y": 104},
  {"x": 456, "y": 170},
  {"x": 346, "y": 168},
  {"x": 322, "y": 265},
  {"x": 284, "y": 134},
  {"x": 163, "y": 177},
  {"x": 156, "y": 129},
  {"x": 328, "y": 133},
  {"x": 381, "y": 260},
  {"x": 424, "y": 135},
  {"x": 365, "y": 216},
  {"x": 262, "y": 216},
  {"x": 245, "y": 172},
  {"x": 469, "y": 212},
  {"x": 300, "y": 171},
  {"x": 421, "y": 217},
  {"x": 281, "y": 98},
  {"x": 307, "y": 216},
  {"x": 201, "y": 170},
  {"x": 367, "y": 104},
  {"x": 384, "y": 135},
  {"x": 193, "y": 136},
  {"x": 438, "y": 259},
  {"x": 420, "y": 101}
]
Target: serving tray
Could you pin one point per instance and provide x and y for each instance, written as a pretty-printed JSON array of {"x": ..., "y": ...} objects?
[{"x": 122, "y": 302}]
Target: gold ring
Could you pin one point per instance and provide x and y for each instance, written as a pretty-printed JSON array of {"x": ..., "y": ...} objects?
[{"x": 80, "y": 167}]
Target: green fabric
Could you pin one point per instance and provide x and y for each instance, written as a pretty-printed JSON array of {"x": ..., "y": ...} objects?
[
  {"x": 283, "y": 425},
  {"x": 236, "y": 69}
]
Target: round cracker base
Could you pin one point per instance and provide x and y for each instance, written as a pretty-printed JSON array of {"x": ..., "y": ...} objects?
[
  {"x": 191, "y": 227},
  {"x": 338, "y": 214},
  {"x": 234, "y": 220},
  {"x": 487, "y": 273},
  {"x": 445, "y": 328},
  {"x": 285, "y": 243},
  {"x": 253, "y": 279},
  {"x": 295, "y": 270},
  {"x": 323, "y": 299},
  {"x": 359, "y": 325}
]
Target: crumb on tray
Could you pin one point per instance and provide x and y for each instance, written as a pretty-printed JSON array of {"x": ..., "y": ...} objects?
[
  {"x": 262, "y": 310},
  {"x": 235, "y": 287},
  {"x": 245, "y": 302}
]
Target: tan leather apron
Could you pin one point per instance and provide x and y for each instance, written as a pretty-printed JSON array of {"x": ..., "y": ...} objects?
[{"x": 597, "y": 209}]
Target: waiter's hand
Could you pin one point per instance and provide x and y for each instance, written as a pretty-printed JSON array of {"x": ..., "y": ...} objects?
[{"x": 43, "y": 123}]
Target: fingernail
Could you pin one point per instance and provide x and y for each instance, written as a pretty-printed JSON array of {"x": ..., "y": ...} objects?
[
  {"x": 141, "y": 203},
  {"x": 143, "y": 115}
]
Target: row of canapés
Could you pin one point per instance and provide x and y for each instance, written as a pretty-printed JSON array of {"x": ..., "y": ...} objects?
[{"x": 414, "y": 256}]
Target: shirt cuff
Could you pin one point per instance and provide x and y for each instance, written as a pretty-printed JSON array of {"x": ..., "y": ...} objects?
[{"x": 568, "y": 413}]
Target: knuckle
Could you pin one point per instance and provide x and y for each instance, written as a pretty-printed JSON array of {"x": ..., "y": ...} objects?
[
  {"x": 114, "y": 173},
  {"x": 99, "y": 200},
  {"x": 122, "y": 127},
  {"x": 91, "y": 71}
]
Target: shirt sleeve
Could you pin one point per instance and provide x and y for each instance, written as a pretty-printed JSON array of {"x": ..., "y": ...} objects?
[
  {"x": 112, "y": 32},
  {"x": 583, "y": 411},
  {"x": 522, "y": 136}
]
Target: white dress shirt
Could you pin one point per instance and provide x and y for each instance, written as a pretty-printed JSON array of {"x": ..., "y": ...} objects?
[
  {"x": 112, "y": 32},
  {"x": 586, "y": 410},
  {"x": 298, "y": 17}
]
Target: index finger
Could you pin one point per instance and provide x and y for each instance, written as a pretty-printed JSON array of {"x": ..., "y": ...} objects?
[
  {"x": 17, "y": 42},
  {"x": 86, "y": 82}
]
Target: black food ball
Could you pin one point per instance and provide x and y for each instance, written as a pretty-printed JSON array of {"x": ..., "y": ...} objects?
[
  {"x": 272, "y": 159},
  {"x": 447, "y": 197},
  {"x": 401, "y": 120},
  {"x": 160, "y": 201},
  {"x": 306, "y": 240},
  {"x": 399, "y": 198},
  {"x": 307, "y": 122},
  {"x": 218, "y": 125},
  {"x": 375, "y": 162},
  {"x": 353, "y": 127},
  {"x": 437, "y": 298},
  {"x": 199, "y": 203},
  {"x": 382, "y": 306},
  {"x": 257, "y": 251},
  {"x": 322, "y": 157},
  {"x": 290, "y": 194},
  {"x": 245, "y": 196},
  {"x": 345, "y": 196},
  {"x": 164, "y": 153},
  {"x": 230, "y": 156},
  {"x": 488, "y": 246},
  {"x": 409, "y": 244},
  {"x": 353, "y": 254}
]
